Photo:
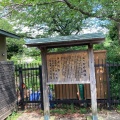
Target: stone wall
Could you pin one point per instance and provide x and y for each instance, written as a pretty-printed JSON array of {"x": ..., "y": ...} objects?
[{"x": 7, "y": 89}]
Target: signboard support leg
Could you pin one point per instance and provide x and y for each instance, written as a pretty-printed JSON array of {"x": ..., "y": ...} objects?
[
  {"x": 92, "y": 83},
  {"x": 45, "y": 87}
]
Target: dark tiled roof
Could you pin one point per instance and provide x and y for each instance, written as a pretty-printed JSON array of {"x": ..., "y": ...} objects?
[
  {"x": 8, "y": 34},
  {"x": 93, "y": 38}
]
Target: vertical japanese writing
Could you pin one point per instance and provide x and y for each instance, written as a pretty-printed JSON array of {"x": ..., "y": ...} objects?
[{"x": 68, "y": 67}]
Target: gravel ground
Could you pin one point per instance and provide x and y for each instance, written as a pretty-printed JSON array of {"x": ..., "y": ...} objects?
[{"x": 107, "y": 115}]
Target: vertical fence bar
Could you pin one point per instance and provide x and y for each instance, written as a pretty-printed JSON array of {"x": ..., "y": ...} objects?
[
  {"x": 21, "y": 87},
  {"x": 109, "y": 71},
  {"x": 108, "y": 84},
  {"x": 99, "y": 81},
  {"x": 104, "y": 80},
  {"x": 17, "y": 85},
  {"x": 41, "y": 86},
  {"x": 113, "y": 73},
  {"x": 28, "y": 75},
  {"x": 33, "y": 83},
  {"x": 36, "y": 82},
  {"x": 118, "y": 77},
  {"x": 26, "y": 96},
  {"x": 115, "y": 77}
]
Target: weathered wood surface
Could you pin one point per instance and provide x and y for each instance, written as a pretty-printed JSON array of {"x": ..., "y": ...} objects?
[
  {"x": 66, "y": 91},
  {"x": 101, "y": 76},
  {"x": 71, "y": 68},
  {"x": 7, "y": 89},
  {"x": 45, "y": 87},
  {"x": 92, "y": 82}
]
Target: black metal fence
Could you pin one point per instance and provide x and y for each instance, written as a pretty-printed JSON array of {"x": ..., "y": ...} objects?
[
  {"x": 114, "y": 83},
  {"x": 29, "y": 87},
  {"x": 28, "y": 84}
]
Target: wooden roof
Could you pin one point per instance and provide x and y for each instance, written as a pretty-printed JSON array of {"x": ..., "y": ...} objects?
[
  {"x": 8, "y": 34},
  {"x": 62, "y": 41}
]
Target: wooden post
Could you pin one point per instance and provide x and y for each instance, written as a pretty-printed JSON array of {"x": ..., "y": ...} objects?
[
  {"x": 45, "y": 88},
  {"x": 92, "y": 83},
  {"x": 41, "y": 86}
]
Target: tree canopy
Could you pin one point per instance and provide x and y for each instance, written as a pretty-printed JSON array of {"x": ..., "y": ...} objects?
[{"x": 62, "y": 17}]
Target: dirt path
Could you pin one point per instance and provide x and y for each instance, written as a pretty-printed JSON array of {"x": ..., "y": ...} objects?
[{"x": 111, "y": 115}]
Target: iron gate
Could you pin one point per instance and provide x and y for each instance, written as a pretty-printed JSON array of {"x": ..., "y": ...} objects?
[{"x": 29, "y": 85}]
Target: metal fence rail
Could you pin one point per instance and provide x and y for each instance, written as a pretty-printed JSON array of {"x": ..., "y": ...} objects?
[{"x": 29, "y": 87}]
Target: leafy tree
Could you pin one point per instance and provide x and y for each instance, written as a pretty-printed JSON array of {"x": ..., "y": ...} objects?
[
  {"x": 14, "y": 47},
  {"x": 100, "y": 9},
  {"x": 113, "y": 31},
  {"x": 49, "y": 18},
  {"x": 63, "y": 17}
]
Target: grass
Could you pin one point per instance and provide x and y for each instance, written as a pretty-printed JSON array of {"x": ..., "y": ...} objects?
[
  {"x": 58, "y": 111},
  {"x": 65, "y": 109},
  {"x": 118, "y": 108},
  {"x": 13, "y": 116},
  {"x": 83, "y": 110}
]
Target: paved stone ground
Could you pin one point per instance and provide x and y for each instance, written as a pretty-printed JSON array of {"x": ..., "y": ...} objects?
[{"x": 111, "y": 115}]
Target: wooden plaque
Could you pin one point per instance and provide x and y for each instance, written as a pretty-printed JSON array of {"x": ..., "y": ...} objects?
[{"x": 68, "y": 68}]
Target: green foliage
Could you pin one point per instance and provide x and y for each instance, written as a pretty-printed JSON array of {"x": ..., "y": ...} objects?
[
  {"x": 113, "y": 31},
  {"x": 13, "y": 116},
  {"x": 59, "y": 111},
  {"x": 68, "y": 109},
  {"x": 114, "y": 72},
  {"x": 112, "y": 48},
  {"x": 83, "y": 110},
  {"x": 65, "y": 49},
  {"x": 118, "y": 108},
  {"x": 34, "y": 52},
  {"x": 14, "y": 47},
  {"x": 5, "y": 25},
  {"x": 51, "y": 18}
]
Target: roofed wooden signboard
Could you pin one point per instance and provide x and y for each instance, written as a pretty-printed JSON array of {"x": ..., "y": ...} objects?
[{"x": 68, "y": 68}]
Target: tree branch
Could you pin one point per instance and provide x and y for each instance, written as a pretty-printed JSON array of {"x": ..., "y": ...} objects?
[{"x": 88, "y": 13}]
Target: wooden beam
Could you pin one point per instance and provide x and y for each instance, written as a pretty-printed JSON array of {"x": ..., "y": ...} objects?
[
  {"x": 69, "y": 82},
  {"x": 45, "y": 87},
  {"x": 92, "y": 83}
]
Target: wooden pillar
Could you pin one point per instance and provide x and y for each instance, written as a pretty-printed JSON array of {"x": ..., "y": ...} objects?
[
  {"x": 3, "y": 49},
  {"x": 92, "y": 83},
  {"x": 45, "y": 88}
]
